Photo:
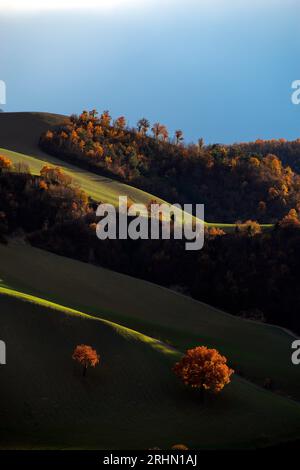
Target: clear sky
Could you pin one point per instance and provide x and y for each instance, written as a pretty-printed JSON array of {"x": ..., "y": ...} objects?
[{"x": 218, "y": 69}]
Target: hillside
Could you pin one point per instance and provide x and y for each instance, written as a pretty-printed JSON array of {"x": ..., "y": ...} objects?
[
  {"x": 19, "y": 137},
  {"x": 232, "y": 185},
  {"x": 20, "y": 132},
  {"x": 51, "y": 303},
  {"x": 258, "y": 351},
  {"x": 131, "y": 401}
]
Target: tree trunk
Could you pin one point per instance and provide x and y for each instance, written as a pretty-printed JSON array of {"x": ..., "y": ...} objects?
[{"x": 84, "y": 371}]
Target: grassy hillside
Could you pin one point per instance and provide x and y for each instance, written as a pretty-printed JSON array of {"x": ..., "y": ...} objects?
[
  {"x": 258, "y": 351},
  {"x": 19, "y": 137},
  {"x": 99, "y": 188},
  {"x": 21, "y": 131},
  {"x": 131, "y": 401}
]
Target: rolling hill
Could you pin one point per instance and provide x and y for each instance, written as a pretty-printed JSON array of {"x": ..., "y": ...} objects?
[
  {"x": 19, "y": 137},
  {"x": 132, "y": 401},
  {"x": 257, "y": 350}
]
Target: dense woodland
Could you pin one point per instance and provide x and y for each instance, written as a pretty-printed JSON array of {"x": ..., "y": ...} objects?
[
  {"x": 245, "y": 181},
  {"x": 30, "y": 203},
  {"x": 251, "y": 273},
  {"x": 287, "y": 151},
  {"x": 248, "y": 273}
]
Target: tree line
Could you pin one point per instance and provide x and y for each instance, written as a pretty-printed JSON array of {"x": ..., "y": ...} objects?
[{"x": 233, "y": 182}]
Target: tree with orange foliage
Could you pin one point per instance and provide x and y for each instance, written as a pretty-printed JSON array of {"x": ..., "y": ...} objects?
[
  {"x": 216, "y": 232},
  {"x": 105, "y": 119},
  {"x": 178, "y": 136},
  {"x": 156, "y": 129},
  {"x": 5, "y": 163},
  {"x": 179, "y": 447},
  {"x": 55, "y": 175},
  {"x": 120, "y": 123},
  {"x": 164, "y": 133},
  {"x": 290, "y": 220},
  {"x": 159, "y": 130},
  {"x": 204, "y": 369},
  {"x": 43, "y": 185},
  {"x": 143, "y": 126},
  {"x": 49, "y": 135},
  {"x": 86, "y": 356}
]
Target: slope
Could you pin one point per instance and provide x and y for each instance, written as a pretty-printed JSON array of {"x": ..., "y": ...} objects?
[
  {"x": 19, "y": 137},
  {"x": 131, "y": 401},
  {"x": 256, "y": 350}
]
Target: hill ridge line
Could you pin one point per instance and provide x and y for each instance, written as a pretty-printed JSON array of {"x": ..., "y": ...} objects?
[{"x": 153, "y": 342}]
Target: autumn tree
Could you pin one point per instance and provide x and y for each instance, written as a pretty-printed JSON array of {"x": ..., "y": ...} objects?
[
  {"x": 201, "y": 143},
  {"x": 290, "y": 220},
  {"x": 159, "y": 130},
  {"x": 204, "y": 369},
  {"x": 55, "y": 175},
  {"x": 143, "y": 126},
  {"x": 93, "y": 114},
  {"x": 178, "y": 136},
  {"x": 156, "y": 129},
  {"x": 5, "y": 163},
  {"x": 251, "y": 227},
  {"x": 49, "y": 135},
  {"x": 120, "y": 123},
  {"x": 216, "y": 232},
  {"x": 164, "y": 133},
  {"x": 179, "y": 447},
  {"x": 105, "y": 119},
  {"x": 86, "y": 356}
]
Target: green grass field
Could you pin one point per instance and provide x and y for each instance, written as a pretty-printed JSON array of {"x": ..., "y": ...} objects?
[
  {"x": 131, "y": 401},
  {"x": 97, "y": 187},
  {"x": 259, "y": 351}
]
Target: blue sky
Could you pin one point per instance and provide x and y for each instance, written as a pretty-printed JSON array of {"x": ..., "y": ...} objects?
[{"x": 218, "y": 69}]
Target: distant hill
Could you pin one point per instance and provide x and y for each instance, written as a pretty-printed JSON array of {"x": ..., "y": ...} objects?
[
  {"x": 19, "y": 138},
  {"x": 20, "y": 132}
]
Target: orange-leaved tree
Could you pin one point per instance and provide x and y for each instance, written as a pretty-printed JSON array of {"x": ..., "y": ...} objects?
[
  {"x": 86, "y": 356},
  {"x": 204, "y": 369},
  {"x": 5, "y": 163}
]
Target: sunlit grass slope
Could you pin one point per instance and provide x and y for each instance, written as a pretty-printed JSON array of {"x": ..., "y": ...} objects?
[
  {"x": 131, "y": 401},
  {"x": 19, "y": 137},
  {"x": 258, "y": 351},
  {"x": 98, "y": 187}
]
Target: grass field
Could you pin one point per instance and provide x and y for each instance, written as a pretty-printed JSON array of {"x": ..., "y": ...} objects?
[
  {"x": 259, "y": 351},
  {"x": 97, "y": 187},
  {"x": 132, "y": 400}
]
